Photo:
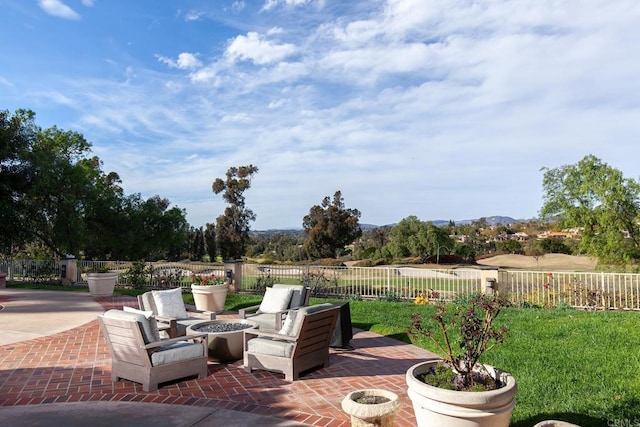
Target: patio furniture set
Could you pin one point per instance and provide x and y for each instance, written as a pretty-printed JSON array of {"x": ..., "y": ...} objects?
[{"x": 161, "y": 342}]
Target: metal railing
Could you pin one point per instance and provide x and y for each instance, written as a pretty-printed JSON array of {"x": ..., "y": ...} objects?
[
  {"x": 397, "y": 283},
  {"x": 534, "y": 288},
  {"x": 156, "y": 275},
  {"x": 577, "y": 289}
]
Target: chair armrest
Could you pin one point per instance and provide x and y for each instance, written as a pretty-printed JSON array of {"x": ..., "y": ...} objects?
[
  {"x": 206, "y": 315},
  {"x": 167, "y": 324},
  {"x": 269, "y": 334},
  {"x": 161, "y": 343},
  {"x": 243, "y": 312}
]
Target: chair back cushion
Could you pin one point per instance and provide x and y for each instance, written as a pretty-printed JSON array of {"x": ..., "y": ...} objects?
[
  {"x": 148, "y": 333},
  {"x": 302, "y": 312},
  {"x": 289, "y": 321},
  {"x": 275, "y": 300},
  {"x": 153, "y": 324},
  {"x": 170, "y": 304},
  {"x": 297, "y": 295}
]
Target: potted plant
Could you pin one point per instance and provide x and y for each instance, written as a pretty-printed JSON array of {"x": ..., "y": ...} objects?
[
  {"x": 371, "y": 407},
  {"x": 457, "y": 389},
  {"x": 209, "y": 292},
  {"x": 101, "y": 281}
]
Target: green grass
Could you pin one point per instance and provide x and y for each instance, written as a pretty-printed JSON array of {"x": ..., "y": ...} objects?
[{"x": 577, "y": 366}]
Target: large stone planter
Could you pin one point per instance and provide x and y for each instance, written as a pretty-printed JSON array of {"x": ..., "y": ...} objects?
[
  {"x": 210, "y": 297},
  {"x": 102, "y": 284},
  {"x": 371, "y": 414},
  {"x": 434, "y": 406}
]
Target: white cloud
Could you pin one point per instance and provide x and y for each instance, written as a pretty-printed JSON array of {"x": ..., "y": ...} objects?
[
  {"x": 257, "y": 49},
  {"x": 185, "y": 61},
  {"x": 193, "y": 15},
  {"x": 238, "y": 6},
  {"x": 88, "y": 3},
  {"x": 5, "y": 82},
  {"x": 270, "y": 4},
  {"x": 443, "y": 109},
  {"x": 59, "y": 9}
]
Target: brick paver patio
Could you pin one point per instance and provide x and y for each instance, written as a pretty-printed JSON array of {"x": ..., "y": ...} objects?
[{"x": 74, "y": 366}]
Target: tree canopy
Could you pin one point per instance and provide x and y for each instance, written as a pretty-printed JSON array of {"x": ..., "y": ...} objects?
[
  {"x": 412, "y": 237},
  {"x": 329, "y": 227},
  {"x": 598, "y": 199},
  {"x": 55, "y": 195}
]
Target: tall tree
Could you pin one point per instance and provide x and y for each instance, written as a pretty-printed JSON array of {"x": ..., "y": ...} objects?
[
  {"x": 412, "y": 237},
  {"x": 210, "y": 241},
  {"x": 17, "y": 133},
  {"x": 329, "y": 227},
  {"x": 233, "y": 227},
  {"x": 597, "y": 198}
]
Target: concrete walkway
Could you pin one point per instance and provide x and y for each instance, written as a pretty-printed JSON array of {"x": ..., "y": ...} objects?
[{"x": 26, "y": 313}]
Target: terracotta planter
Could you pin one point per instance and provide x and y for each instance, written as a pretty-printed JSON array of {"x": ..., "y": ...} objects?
[
  {"x": 102, "y": 284},
  {"x": 371, "y": 414},
  {"x": 434, "y": 406},
  {"x": 210, "y": 297}
]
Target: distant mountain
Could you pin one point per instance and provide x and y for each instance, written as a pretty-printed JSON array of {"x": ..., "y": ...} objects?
[{"x": 491, "y": 220}]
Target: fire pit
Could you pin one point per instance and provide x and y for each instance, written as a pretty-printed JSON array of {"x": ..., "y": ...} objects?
[{"x": 225, "y": 337}]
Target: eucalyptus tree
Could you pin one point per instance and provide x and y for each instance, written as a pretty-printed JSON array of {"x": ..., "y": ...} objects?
[
  {"x": 598, "y": 199},
  {"x": 232, "y": 228}
]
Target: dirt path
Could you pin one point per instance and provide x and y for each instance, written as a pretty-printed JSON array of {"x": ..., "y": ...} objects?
[{"x": 545, "y": 262}]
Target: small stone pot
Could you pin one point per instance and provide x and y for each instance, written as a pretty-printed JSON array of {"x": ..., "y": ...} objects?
[{"x": 371, "y": 414}]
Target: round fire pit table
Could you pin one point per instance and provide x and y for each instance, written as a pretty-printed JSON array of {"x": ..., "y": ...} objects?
[{"x": 225, "y": 337}]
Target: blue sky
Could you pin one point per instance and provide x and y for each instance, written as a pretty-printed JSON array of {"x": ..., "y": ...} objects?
[{"x": 443, "y": 109}]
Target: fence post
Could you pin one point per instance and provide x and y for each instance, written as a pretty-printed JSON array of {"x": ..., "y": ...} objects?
[
  {"x": 69, "y": 270},
  {"x": 489, "y": 278},
  {"x": 234, "y": 269}
]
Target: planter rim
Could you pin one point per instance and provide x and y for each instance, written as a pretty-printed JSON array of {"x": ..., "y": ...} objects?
[
  {"x": 470, "y": 397},
  {"x": 102, "y": 274},
  {"x": 371, "y": 410},
  {"x": 217, "y": 285}
]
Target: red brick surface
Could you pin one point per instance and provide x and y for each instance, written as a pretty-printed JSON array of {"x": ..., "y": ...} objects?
[{"x": 74, "y": 366}]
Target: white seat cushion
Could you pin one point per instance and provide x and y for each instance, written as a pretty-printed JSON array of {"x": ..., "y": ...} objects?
[
  {"x": 170, "y": 304},
  {"x": 176, "y": 352},
  {"x": 272, "y": 347},
  {"x": 275, "y": 300}
]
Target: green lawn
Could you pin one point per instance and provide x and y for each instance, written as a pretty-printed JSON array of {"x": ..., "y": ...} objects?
[{"x": 576, "y": 366}]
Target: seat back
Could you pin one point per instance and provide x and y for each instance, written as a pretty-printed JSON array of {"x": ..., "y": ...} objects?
[
  {"x": 299, "y": 297},
  {"x": 314, "y": 328},
  {"x": 123, "y": 333},
  {"x": 146, "y": 302}
]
